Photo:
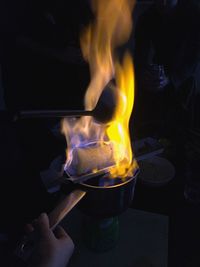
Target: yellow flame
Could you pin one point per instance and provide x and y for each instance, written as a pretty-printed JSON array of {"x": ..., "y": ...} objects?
[
  {"x": 111, "y": 28},
  {"x": 118, "y": 131}
]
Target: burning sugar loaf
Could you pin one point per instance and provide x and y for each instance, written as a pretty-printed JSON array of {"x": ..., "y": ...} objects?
[
  {"x": 91, "y": 158},
  {"x": 99, "y": 42}
]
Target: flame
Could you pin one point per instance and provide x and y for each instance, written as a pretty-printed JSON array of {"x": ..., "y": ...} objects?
[
  {"x": 111, "y": 28},
  {"x": 118, "y": 131}
]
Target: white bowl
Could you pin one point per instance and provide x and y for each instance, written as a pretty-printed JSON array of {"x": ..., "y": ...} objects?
[{"x": 156, "y": 171}]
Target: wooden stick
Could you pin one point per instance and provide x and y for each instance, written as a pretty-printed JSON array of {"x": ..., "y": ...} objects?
[{"x": 64, "y": 207}]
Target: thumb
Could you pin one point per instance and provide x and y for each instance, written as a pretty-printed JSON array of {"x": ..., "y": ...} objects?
[{"x": 60, "y": 233}]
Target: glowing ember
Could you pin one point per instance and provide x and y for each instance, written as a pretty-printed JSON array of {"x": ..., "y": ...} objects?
[{"x": 111, "y": 28}]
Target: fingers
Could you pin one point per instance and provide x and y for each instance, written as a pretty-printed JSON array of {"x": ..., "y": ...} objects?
[{"x": 42, "y": 225}]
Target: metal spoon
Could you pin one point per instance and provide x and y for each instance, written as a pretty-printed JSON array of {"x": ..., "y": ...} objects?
[{"x": 103, "y": 112}]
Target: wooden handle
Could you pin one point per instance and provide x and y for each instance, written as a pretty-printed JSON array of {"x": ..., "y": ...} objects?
[
  {"x": 64, "y": 207},
  {"x": 25, "y": 247}
]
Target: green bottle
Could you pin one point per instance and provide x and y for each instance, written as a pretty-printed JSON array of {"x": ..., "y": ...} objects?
[{"x": 100, "y": 235}]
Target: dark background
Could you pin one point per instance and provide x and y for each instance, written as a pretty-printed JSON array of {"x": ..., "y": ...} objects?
[{"x": 35, "y": 74}]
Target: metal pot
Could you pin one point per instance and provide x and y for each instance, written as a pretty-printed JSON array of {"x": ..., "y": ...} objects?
[{"x": 104, "y": 197}]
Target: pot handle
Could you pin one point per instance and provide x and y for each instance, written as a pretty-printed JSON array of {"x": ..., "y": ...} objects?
[
  {"x": 25, "y": 247},
  {"x": 64, "y": 207}
]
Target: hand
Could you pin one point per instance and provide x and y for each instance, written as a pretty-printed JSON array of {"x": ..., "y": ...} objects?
[
  {"x": 154, "y": 78},
  {"x": 54, "y": 248}
]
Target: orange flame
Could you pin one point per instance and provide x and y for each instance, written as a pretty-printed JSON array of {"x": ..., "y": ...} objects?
[{"x": 111, "y": 28}]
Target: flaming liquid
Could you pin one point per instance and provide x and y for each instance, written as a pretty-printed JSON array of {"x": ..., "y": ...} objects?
[{"x": 111, "y": 28}]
